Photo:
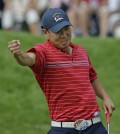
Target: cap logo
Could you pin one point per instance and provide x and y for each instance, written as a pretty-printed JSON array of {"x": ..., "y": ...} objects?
[{"x": 57, "y": 17}]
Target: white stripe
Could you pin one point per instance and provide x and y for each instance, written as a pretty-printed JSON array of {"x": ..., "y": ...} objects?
[
  {"x": 76, "y": 106},
  {"x": 67, "y": 72},
  {"x": 67, "y": 77},
  {"x": 51, "y": 93},
  {"x": 66, "y": 65},
  {"x": 65, "y": 88},
  {"x": 88, "y": 109},
  {"x": 65, "y": 81},
  {"x": 70, "y": 69},
  {"x": 68, "y": 89},
  {"x": 66, "y": 62},
  {"x": 72, "y": 102}
]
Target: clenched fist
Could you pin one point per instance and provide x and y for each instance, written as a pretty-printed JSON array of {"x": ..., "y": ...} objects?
[{"x": 14, "y": 47}]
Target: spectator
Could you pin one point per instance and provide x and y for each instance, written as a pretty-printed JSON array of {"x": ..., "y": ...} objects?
[
  {"x": 83, "y": 10},
  {"x": 78, "y": 16},
  {"x": 99, "y": 8},
  {"x": 54, "y": 3},
  {"x": 42, "y": 6},
  {"x": 114, "y": 17},
  {"x": 63, "y": 4},
  {"x": 32, "y": 16},
  {"x": 103, "y": 14},
  {"x": 18, "y": 11}
]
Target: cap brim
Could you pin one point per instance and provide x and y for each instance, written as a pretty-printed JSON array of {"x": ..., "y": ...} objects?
[{"x": 59, "y": 26}]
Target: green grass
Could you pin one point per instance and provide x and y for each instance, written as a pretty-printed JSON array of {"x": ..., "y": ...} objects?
[{"x": 23, "y": 109}]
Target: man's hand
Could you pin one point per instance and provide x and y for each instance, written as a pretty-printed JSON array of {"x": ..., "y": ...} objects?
[
  {"x": 108, "y": 105},
  {"x": 14, "y": 47}
]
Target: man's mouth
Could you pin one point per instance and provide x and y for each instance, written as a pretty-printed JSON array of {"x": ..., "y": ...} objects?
[{"x": 64, "y": 41}]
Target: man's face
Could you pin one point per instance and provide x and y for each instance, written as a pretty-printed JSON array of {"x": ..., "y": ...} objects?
[{"x": 60, "y": 39}]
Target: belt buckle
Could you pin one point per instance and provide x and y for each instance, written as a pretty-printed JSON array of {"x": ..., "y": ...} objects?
[{"x": 80, "y": 124}]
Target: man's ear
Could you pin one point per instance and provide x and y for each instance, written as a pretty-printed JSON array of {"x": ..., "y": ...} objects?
[{"x": 45, "y": 32}]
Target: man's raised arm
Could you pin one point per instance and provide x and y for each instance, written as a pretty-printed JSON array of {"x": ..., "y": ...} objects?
[{"x": 23, "y": 58}]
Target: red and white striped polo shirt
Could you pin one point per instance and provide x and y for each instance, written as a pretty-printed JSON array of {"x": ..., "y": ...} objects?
[{"x": 66, "y": 81}]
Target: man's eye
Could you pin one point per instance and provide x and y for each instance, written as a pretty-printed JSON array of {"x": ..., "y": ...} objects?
[
  {"x": 67, "y": 27},
  {"x": 58, "y": 32}
]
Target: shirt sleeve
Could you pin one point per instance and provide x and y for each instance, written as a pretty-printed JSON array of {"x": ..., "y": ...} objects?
[
  {"x": 92, "y": 71},
  {"x": 39, "y": 65}
]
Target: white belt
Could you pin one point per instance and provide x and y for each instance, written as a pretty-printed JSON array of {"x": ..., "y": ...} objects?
[{"x": 79, "y": 124}]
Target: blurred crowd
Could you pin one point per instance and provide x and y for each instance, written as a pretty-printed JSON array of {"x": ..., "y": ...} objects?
[{"x": 88, "y": 17}]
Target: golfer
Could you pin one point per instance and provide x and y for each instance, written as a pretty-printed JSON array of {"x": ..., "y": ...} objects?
[{"x": 67, "y": 78}]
